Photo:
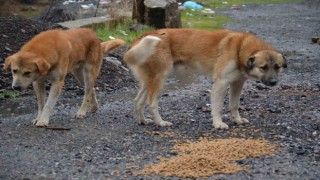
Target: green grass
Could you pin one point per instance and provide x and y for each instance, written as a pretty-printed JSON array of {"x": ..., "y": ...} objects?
[
  {"x": 222, "y": 4},
  {"x": 199, "y": 19},
  {"x": 120, "y": 30},
  {"x": 9, "y": 94}
]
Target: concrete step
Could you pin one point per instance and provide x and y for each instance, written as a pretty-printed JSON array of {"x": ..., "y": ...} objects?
[
  {"x": 85, "y": 22},
  {"x": 94, "y": 20}
]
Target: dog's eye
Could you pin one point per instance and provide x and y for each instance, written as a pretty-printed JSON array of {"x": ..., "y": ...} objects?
[
  {"x": 265, "y": 67},
  {"x": 14, "y": 71},
  {"x": 26, "y": 73},
  {"x": 276, "y": 67}
]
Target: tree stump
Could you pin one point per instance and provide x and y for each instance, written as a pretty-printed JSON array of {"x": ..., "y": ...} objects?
[{"x": 157, "y": 13}]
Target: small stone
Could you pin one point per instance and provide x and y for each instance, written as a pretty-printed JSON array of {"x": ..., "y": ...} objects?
[
  {"x": 285, "y": 87},
  {"x": 8, "y": 49},
  {"x": 206, "y": 109},
  {"x": 173, "y": 153},
  {"x": 300, "y": 152},
  {"x": 314, "y": 133},
  {"x": 273, "y": 109}
]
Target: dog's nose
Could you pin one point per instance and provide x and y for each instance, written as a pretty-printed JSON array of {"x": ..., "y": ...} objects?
[
  {"x": 272, "y": 83},
  {"x": 17, "y": 88}
]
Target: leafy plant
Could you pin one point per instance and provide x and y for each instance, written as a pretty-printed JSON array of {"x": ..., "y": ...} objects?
[
  {"x": 9, "y": 94},
  {"x": 120, "y": 30}
]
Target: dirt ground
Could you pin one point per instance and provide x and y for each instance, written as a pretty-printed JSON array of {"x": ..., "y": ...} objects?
[{"x": 110, "y": 144}]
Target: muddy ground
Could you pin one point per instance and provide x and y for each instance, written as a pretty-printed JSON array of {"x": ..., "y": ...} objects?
[{"x": 110, "y": 144}]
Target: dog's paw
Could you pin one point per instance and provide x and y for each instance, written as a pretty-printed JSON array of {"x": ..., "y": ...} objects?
[
  {"x": 146, "y": 121},
  {"x": 241, "y": 121},
  {"x": 94, "y": 109},
  {"x": 78, "y": 115},
  {"x": 34, "y": 122},
  {"x": 220, "y": 125},
  {"x": 164, "y": 123},
  {"x": 40, "y": 123}
]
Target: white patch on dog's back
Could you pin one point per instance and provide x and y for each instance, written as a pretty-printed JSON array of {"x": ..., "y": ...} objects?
[{"x": 144, "y": 49}]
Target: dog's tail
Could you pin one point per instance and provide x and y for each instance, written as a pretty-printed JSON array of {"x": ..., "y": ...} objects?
[
  {"x": 112, "y": 44},
  {"x": 140, "y": 52}
]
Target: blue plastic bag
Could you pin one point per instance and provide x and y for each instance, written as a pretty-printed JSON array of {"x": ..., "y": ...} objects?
[{"x": 192, "y": 5}]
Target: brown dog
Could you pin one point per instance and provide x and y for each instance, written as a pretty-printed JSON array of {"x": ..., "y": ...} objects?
[
  {"x": 228, "y": 57},
  {"x": 50, "y": 56}
]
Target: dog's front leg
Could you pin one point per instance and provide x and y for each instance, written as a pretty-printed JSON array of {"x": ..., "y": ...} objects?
[
  {"x": 40, "y": 90},
  {"x": 234, "y": 97},
  {"x": 55, "y": 91},
  {"x": 218, "y": 93}
]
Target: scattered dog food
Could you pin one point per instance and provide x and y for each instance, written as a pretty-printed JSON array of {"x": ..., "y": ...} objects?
[{"x": 206, "y": 157}]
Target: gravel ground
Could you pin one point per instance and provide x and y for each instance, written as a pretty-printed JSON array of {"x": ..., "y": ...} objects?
[{"x": 110, "y": 144}]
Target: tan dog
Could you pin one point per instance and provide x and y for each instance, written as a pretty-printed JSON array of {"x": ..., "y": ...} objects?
[
  {"x": 228, "y": 57},
  {"x": 50, "y": 56}
]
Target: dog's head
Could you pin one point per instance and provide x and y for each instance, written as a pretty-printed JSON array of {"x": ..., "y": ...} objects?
[
  {"x": 26, "y": 67},
  {"x": 266, "y": 66}
]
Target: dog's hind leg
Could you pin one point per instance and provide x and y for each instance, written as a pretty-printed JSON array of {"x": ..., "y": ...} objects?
[
  {"x": 89, "y": 94},
  {"x": 218, "y": 92},
  {"x": 139, "y": 103},
  {"x": 234, "y": 96},
  {"x": 78, "y": 74},
  {"x": 90, "y": 71},
  {"x": 154, "y": 87}
]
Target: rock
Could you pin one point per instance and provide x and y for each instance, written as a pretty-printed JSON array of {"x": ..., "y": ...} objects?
[
  {"x": 315, "y": 40},
  {"x": 300, "y": 151},
  {"x": 113, "y": 60},
  {"x": 56, "y": 14},
  {"x": 8, "y": 49},
  {"x": 274, "y": 109},
  {"x": 205, "y": 109},
  {"x": 137, "y": 27},
  {"x": 314, "y": 134},
  {"x": 260, "y": 87},
  {"x": 157, "y": 13},
  {"x": 285, "y": 87}
]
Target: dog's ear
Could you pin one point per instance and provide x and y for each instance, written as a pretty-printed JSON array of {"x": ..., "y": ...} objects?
[
  {"x": 285, "y": 62},
  {"x": 43, "y": 66},
  {"x": 7, "y": 63},
  {"x": 250, "y": 61}
]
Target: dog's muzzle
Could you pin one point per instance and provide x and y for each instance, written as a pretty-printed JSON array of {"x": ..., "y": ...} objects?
[
  {"x": 17, "y": 88},
  {"x": 271, "y": 82}
]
